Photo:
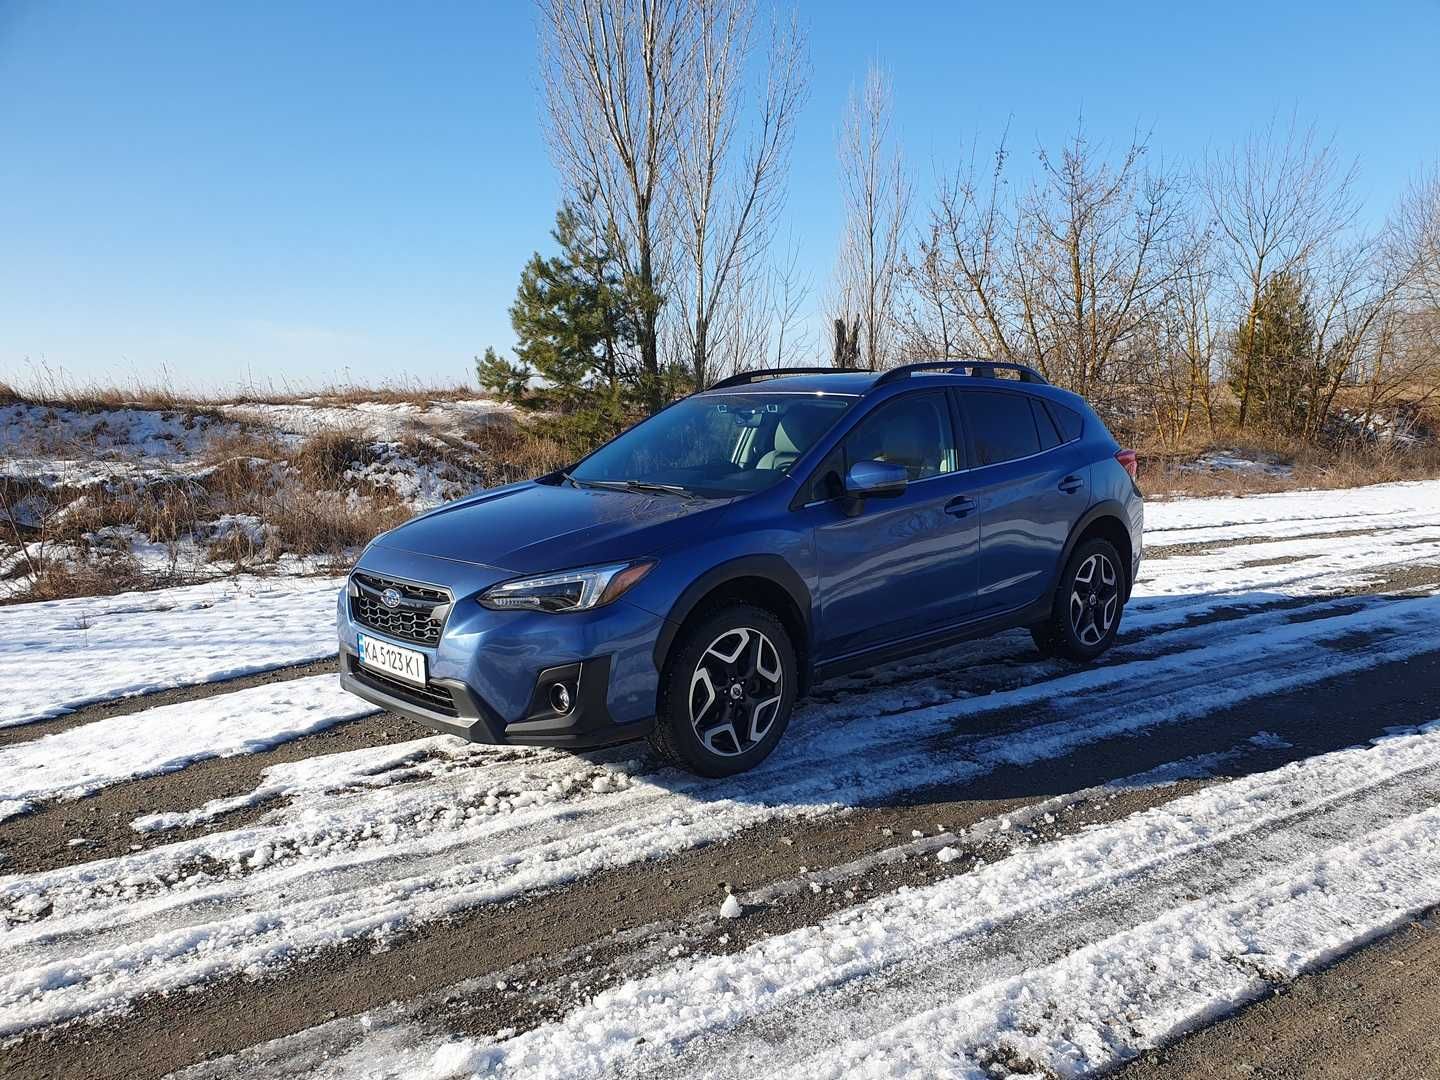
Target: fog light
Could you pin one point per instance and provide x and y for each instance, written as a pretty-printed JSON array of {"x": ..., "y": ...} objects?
[{"x": 560, "y": 699}]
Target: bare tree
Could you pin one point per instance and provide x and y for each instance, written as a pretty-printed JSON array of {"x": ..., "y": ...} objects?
[
  {"x": 1177, "y": 354},
  {"x": 964, "y": 268},
  {"x": 877, "y": 204},
  {"x": 789, "y": 291},
  {"x": 728, "y": 196},
  {"x": 616, "y": 82},
  {"x": 1098, "y": 237},
  {"x": 1069, "y": 276},
  {"x": 1402, "y": 361},
  {"x": 1275, "y": 200}
]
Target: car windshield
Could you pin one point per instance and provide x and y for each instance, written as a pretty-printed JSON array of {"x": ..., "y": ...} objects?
[{"x": 716, "y": 445}]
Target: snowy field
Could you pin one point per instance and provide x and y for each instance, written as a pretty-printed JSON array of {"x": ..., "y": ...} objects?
[
  {"x": 976, "y": 863},
  {"x": 150, "y": 492}
]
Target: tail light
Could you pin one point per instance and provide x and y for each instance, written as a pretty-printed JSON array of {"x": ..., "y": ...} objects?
[{"x": 1130, "y": 460}]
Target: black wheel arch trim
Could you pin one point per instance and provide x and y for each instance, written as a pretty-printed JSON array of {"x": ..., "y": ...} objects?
[
  {"x": 1111, "y": 508},
  {"x": 771, "y": 567}
]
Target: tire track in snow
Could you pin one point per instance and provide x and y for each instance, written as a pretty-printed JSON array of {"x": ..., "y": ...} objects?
[
  {"x": 1145, "y": 987},
  {"x": 126, "y": 706},
  {"x": 422, "y": 828},
  {"x": 97, "y": 958},
  {"x": 1043, "y": 933},
  {"x": 71, "y": 764},
  {"x": 1353, "y": 792}
]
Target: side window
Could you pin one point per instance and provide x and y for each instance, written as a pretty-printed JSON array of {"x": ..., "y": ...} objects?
[
  {"x": 1049, "y": 437},
  {"x": 1070, "y": 422},
  {"x": 913, "y": 430},
  {"x": 1002, "y": 426}
]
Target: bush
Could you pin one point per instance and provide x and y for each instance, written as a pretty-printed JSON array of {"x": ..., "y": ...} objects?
[
  {"x": 324, "y": 458},
  {"x": 325, "y": 523}
]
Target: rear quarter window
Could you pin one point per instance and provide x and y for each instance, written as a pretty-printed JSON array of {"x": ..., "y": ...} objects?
[
  {"x": 1070, "y": 422},
  {"x": 1049, "y": 437}
]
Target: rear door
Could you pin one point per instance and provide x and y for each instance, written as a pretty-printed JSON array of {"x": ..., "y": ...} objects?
[
  {"x": 1031, "y": 487},
  {"x": 902, "y": 566}
]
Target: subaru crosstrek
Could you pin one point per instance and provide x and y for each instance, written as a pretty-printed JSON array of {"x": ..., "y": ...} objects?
[{"x": 689, "y": 580}]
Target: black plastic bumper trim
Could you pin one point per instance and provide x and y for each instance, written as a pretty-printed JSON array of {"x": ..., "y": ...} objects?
[{"x": 587, "y": 726}]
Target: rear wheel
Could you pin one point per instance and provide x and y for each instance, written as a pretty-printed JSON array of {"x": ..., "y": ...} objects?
[
  {"x": 1085, "y": 616},
  {"x": 727, "y": 692}
]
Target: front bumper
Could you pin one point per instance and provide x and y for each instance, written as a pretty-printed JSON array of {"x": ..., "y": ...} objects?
[
  {"x": 587, "y": 725},
  {"x": 490, "y": 673}
]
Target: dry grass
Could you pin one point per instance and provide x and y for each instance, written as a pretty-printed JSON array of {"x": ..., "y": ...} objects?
[
  {"x": 46, "y": 387},
  {"x": 1163, "y": 471},
  {"x": 323, "y": 459},
  {"x": 93, "y": 398},
  {"x": 327, "y": 523},
  {"x": 61, "y": 579},
  {"x": 512, "y": 452}
]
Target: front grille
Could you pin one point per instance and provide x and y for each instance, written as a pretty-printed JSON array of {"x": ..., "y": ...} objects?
[
  {"x": 431, "y": 696},
  {"x": 419, "y": 617}
]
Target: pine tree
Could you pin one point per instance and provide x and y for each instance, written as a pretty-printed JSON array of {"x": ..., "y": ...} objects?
[
  {"x": 1273, "y": 364},
  {"x": 505, "y": 380},
  {"x": 570, "y": 318}
]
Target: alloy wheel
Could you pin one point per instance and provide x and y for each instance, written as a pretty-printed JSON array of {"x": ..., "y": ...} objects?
[
  {"x": 736, "y": 691},
  {"x": 1094, "y": 599}
]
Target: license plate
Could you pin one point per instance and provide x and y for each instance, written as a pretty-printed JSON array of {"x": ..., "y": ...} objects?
[{"x": 404, "y": 664}]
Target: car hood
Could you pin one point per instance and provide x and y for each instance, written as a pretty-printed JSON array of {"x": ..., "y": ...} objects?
[{"x": 532, "y": 528}]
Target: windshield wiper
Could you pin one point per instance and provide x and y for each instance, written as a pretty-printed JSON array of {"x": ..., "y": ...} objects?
[
  {"x": 668, "y": 489},
  {"x": 633, "y": 485}
]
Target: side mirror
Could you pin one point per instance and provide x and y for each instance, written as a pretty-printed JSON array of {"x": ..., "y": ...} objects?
[{"x": 875, "y": 480}]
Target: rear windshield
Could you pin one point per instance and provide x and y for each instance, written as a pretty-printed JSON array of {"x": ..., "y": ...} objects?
[{"x": 717, "y": 445}]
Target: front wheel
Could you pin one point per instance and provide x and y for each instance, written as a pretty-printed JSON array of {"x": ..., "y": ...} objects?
[
  {"x": 727, "y": 692},
  {"x": 1085, "y": 617}
]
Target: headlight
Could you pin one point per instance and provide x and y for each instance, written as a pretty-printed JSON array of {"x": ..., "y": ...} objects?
[{"x": 568, "y": 590}]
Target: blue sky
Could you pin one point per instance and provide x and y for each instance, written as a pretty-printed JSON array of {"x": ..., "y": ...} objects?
[{"x": 296, "y": 193}]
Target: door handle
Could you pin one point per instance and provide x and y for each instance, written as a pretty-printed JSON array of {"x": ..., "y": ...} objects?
[
  {"x": 1071, "y": 484},
  {"x": 960, "y": 506}
]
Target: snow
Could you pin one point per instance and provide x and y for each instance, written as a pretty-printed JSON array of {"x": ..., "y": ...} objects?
[
  {"x": 380, "y": 421},
  {"x": 1180, "y": 521},
  {"x": 1248, "y": 880},
  {"x": 118, "y": 432},
  {"x": 1389, "y": 875},
  {"x": 61, "y": 654},
  {"x": 1235, "y": 461},
  {"x": 84, "y": 759},
  {"x": 1107, "y": 1002},
  {"x": 534, "y": 821}
]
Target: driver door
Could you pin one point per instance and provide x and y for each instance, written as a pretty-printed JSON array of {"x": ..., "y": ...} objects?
[{"x": 903, "y": 566}]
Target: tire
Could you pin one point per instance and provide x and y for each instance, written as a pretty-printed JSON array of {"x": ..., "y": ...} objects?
[
  {"x": 727, "y": 692},
  {"x": 1089, "y": 601}
]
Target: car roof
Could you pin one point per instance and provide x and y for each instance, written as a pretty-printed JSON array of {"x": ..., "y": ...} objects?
[
  {"x": 839, "y": 382},
  {"x": 859, "y": 383}
]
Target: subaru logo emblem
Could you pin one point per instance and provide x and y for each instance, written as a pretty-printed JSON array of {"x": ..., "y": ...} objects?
[{"x": 390, "y": 598}]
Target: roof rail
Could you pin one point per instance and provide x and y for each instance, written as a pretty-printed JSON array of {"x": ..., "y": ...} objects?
[
  {"x": 744, "y": 378},
  {"x": 980, "y": 369}
]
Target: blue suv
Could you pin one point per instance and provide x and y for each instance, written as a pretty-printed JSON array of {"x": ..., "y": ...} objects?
[{"x": 689, "y": 580}]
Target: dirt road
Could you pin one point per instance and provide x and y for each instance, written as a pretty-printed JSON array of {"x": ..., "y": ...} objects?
[{"x": 972, "y": 863}]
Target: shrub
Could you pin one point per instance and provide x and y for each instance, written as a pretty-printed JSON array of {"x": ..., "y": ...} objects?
[
  {"x": 325, "y": 523},
  {"x": 323, "y": 459}
]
